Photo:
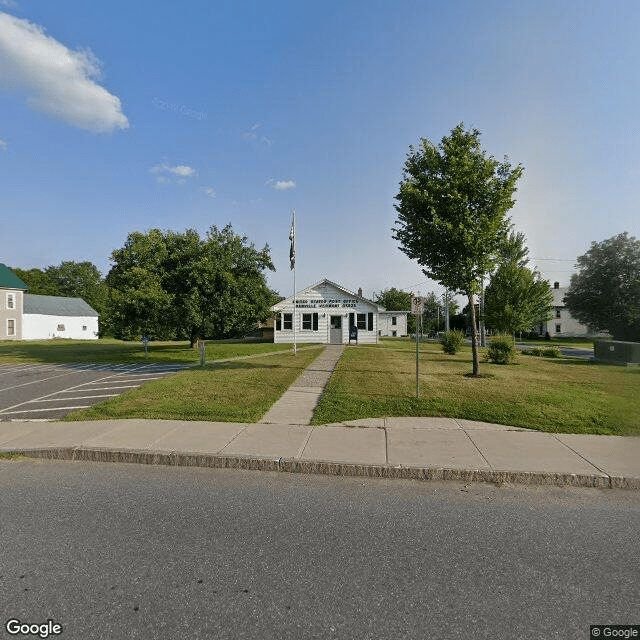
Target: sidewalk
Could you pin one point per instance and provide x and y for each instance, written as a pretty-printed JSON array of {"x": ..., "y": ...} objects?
[
  {"x": 412, "y": 448},
  {"x": 409, "y": 448}
]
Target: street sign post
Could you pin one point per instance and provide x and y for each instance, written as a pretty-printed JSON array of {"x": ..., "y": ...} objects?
[
  {"x": 145, "y": 342},
  {"x": 417, "y": 306}
]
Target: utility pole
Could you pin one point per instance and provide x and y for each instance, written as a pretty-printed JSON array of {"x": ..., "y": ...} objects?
[
  {"x": 483, "y": 341},
  {"x": 446, "y": 309}
]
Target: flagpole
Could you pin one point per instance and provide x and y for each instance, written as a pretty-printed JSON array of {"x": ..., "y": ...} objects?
[{"x": 295, "y": 322}]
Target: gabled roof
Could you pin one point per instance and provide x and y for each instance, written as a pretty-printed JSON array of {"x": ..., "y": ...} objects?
[
  {"x": 57, "y": 306},
  {"x": 9, "y": 280},
  {"x": 325, "y": 281}
]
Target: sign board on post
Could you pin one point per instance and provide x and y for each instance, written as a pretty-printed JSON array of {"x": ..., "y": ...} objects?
[
  {"x": 353, "y": 334},
  {"x": 417, "y": 306},
  {"x": 145, "y": 342}
]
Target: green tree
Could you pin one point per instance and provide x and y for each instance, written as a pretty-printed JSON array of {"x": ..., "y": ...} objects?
[
  {"x": 605, "y": 293},
  {"x": 516, "y": 299},
  {"x": 452, "y": 208},
  {"x": 178, "y": 285},
  {"x": 77, "y": 280}
]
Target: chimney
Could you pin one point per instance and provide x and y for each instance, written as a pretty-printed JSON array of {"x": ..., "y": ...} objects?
[
  {"x": 556, "y": 285},
  {"x": 360, "y": 291}
]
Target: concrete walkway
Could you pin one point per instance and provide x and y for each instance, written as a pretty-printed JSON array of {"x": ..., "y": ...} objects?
[
  {"x": 412, "y": 448},
  {"x": 298, "y": 403}
]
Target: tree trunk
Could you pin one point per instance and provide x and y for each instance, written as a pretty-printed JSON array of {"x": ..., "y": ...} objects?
[{"x": 474, "y": 334}]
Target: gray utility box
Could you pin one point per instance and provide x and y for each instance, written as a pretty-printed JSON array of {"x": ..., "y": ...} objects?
[{"x": 615, "y": 351}]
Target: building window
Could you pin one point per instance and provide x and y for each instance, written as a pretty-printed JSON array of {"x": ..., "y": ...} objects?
[
  {"x": 11, "y": 301},
  {"x": 11, "y": 327},
  {"x": 362, "y": 321},
  {"x": 394, "y": 334},
  {"x": 393, "y": 321},
  {"x": 310, "y": 321},
  {"x": 287, "y": 321},
  {"x": 558, "y": 312},
  {"x": 558, "y": 329},
  {"x": 84, "y": 327},
  {"x": 60, "y": 327}
]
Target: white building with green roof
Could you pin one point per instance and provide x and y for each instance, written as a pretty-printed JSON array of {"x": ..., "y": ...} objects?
[{"x": 26, "y": 316}]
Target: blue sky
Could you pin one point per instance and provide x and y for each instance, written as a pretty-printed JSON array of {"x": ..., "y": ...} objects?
[{"x": 121, "y": 116}]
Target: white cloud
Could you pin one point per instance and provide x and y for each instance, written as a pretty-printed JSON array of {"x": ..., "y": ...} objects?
[
  {"x": 56, "y": 80},
  {"x": 284, "y": 185},
  {"x": 176, "y": 175},
  {"x": 8, "y": 4},
  {"x": 208, "y": 191},
  {"x": 3, "y": 145}
]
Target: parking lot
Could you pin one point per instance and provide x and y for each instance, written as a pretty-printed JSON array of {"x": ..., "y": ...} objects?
[{"x": 51, "y": 391}]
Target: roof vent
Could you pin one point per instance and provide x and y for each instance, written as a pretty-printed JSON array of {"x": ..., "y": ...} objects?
[{"x": 360, "y": 291}]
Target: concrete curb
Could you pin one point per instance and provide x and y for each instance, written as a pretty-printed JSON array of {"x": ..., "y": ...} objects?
[{"x": 319, "y": 467}]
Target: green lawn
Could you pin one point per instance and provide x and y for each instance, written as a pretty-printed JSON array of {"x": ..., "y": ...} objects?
[
  {"x": 240, "y": 391},
  {"x": 563, "y": 395},
  {"x": 116, "y": 351}
]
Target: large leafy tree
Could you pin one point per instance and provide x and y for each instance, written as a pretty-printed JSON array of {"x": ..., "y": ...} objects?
[
  {"x": 605, "y": 293},
  {"x": 517, "y": 299},
  {"x": 179, "y": 285},
  {"x": 452, "y": 212}
]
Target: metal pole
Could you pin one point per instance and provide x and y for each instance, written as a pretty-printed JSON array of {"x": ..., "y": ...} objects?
[
  {"x": 295, "y": 318},
  {"x": 417, "y": 361},
  {"x": 446, "y": 309},
  {"x": 483, "y": 342}
]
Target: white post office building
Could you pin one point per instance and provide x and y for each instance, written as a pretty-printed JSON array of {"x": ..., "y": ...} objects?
[{"x": 328, "y": 313}]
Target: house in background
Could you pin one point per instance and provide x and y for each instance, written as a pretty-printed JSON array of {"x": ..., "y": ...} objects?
[
  {"x": 562, "y": 325},
  {"x": 11, "y": 299},
  {"x": 26, "y": 316}
]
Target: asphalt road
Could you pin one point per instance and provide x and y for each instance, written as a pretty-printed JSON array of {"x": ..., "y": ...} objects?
[
  {"x": 51, "y": 391},
  {"x": 127, "y": 551}
]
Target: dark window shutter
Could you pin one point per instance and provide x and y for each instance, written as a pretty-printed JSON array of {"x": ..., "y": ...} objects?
[
  {"x": 352, "y": 320},
  {"x": 315, "y": 321},
  {"x": 278, "y": 324},
  {"x": 370, "y": 321}
]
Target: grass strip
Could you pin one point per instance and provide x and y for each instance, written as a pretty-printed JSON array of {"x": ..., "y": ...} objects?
[
  {"x": 111, "y": 351},
  {"x": 566, "y": 395},
  {"x": 240, "y": 391}
]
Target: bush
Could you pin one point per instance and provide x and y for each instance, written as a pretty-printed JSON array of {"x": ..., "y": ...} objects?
[
  {"x": 452, "y": 341},
  {"x": 544, "y": 352},
  {"x": 501, "y": 350}
]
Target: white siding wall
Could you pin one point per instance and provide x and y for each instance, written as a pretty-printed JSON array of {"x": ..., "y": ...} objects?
[
  {"x": 41, "y": 327},
  {"x": 326, "y": 303},
  {"x": 386, "y": 326}
]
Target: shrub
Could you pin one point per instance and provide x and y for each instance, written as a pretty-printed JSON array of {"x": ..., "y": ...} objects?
[
  {"x": 545, "y": 352},
  {"x": 452, "y": 341},
  {"x": 501, "y": 350}
]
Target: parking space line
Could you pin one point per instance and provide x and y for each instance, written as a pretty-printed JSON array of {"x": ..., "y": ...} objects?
[
  {"x": 107, "y": 395},
  {"x": 11, "y": 413},
  {"x": 116, "y": 375},
  {"x": 24, "y": 384}
]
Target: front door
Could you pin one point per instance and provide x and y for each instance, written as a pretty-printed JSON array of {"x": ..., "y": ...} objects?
[{"x": 335, "y": 330}]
